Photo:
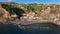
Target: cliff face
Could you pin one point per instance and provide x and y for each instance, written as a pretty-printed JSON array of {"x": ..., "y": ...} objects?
[{"x": 4, "y": 12}]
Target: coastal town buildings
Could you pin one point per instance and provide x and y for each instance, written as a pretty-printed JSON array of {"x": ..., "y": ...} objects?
[{"x": 47, "y": 13}]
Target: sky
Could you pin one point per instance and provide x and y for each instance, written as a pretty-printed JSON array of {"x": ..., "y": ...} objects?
[{"x": 34, "y": 1}]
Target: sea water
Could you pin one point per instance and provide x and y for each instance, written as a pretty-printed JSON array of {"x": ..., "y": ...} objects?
[{"x": 13, "y": 29}]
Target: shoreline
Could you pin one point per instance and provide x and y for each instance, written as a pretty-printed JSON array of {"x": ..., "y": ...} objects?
[{"x": 31, "y": 25}]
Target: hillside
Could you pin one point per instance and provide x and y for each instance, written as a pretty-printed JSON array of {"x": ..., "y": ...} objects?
[{"x": 40, "y": 10}]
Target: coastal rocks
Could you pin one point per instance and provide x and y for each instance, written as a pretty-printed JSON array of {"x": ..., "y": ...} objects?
[{"x": 2, "y": 20}]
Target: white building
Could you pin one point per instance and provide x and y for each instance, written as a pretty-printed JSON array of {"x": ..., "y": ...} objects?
[{"x": 14, "y": 15}]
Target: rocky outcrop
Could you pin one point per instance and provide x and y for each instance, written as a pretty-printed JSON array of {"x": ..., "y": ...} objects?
[{"x": 4, "y": 12}]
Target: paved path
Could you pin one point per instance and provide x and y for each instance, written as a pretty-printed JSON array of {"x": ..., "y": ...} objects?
[
  {"x": 32, "y": 22},
  {"x": 29, "y": 22}
]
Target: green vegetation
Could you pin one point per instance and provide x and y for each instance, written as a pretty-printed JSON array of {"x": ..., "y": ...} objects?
[
  {"x": 1, "y": 15},
  {"x": 8, "y": 8},
  {"x": 13, "y": 10}
]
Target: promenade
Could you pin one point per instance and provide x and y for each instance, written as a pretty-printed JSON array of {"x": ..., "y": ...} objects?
[{"x": 30, "y": 22}]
